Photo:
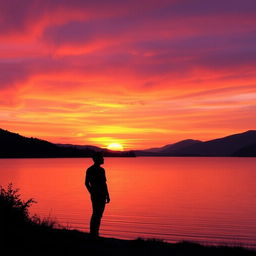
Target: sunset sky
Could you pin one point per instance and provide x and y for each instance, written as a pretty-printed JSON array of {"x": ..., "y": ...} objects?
[{"x": 141, "y": 73}]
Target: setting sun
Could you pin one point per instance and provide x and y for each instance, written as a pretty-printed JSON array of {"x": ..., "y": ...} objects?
[{"x": 115, "y": 147}]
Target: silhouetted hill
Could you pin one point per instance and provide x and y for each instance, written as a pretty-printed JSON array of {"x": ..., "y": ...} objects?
[
  {"x": 94, "y": 148},
  {"x": 13, "y": 145},
  {"x": 249, "y": 151},
  {"x": 168, "y": 149},
  {"x": 242, "y": 144},
  {"x": 227, "y": 146},
  {"x": 106, "y": 152},
  {"x": 179, "y": 145}
]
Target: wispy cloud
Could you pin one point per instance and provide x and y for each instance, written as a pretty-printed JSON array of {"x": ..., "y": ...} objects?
[{"x": 141, "y": 73}]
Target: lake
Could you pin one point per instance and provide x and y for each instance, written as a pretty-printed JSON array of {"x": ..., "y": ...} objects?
[{"x": 207, "y": 200}]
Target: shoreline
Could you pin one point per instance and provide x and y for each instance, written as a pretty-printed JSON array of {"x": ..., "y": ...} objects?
[{"x": 56, "y": 240}]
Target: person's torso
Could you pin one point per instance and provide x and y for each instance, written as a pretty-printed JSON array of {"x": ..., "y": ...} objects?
[{"x": 97, "y": 179}]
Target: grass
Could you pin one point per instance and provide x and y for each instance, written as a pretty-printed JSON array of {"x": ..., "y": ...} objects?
[{"x": 32, "y": 235}]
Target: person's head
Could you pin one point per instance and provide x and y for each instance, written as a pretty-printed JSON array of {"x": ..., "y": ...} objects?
[{"x": 98, "y": 158}]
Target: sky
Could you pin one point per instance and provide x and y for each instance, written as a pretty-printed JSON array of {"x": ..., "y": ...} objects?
[{"x": 140, "y": 73}]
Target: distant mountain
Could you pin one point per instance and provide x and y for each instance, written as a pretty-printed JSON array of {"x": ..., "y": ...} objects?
[
  {"x": 94, "y": 148},
  {"x": 168, "y": 149},
  {"x": 106, "y": 152},
  {"x": 242, "y": 144},
  {"x": 226, "y": 146},
  {"x": 248, "y": 151},
  {"x": 13, "y": 145}
]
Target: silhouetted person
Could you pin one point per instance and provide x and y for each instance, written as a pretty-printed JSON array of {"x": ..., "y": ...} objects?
[{"x": 95, "y": 182}]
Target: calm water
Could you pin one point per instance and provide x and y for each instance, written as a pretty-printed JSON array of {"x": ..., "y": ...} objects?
[{"x": 209, "y": 200}]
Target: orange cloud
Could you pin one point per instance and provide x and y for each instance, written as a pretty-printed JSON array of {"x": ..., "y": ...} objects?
[{"x": 139, "y": 74}]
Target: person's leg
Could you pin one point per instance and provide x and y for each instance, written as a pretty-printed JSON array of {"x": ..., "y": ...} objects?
[{"x": 98, "y": 206}]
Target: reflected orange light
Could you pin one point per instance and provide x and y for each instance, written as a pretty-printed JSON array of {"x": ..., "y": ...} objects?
[{"x": 154, "y": 196}]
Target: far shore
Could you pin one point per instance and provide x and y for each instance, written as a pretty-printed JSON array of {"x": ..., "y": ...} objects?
[{"x": 155, "y": 156}]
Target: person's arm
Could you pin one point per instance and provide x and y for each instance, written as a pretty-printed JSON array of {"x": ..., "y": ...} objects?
[
  {"x": 106, "y": 188},
  {"x": 87, "y": 181},
  {"x": 107, "y": 196}
]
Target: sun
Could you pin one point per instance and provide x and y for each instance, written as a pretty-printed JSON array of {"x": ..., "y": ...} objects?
[{"x": 115, "y": 147}]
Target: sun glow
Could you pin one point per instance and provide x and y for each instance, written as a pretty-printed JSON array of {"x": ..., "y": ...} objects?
[{"x": 115, "y": 147}]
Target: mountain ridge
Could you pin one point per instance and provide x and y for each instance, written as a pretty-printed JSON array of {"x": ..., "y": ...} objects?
[
  {"x": 14, "y": 145},
  {"x": 239, "y": 145}
]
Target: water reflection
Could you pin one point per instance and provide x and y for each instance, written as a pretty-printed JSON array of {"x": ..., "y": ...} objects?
[{"x": 209, "y": 199}]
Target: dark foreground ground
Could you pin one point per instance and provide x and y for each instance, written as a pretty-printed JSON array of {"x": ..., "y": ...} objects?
[{"x": 48, "y": 241}]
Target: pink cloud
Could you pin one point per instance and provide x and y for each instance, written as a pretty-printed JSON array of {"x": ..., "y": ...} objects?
[{"x": 137, "y": 65}]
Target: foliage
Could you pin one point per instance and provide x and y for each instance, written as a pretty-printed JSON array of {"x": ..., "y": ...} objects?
[
  {"x": 47, "y": 222},
  {"x": 14, "y": 211}
]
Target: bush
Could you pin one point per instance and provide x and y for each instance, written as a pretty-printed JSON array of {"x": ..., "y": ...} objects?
[
  {"x": 13, "y": 211},
  {"x": 47, "y": 222}
]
